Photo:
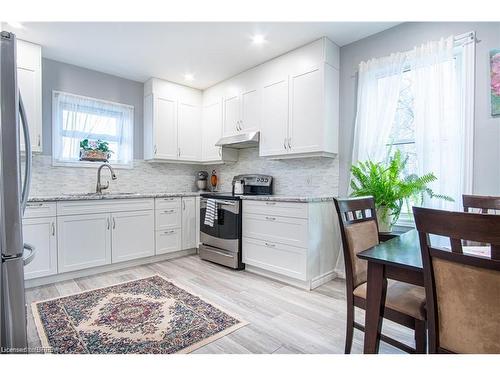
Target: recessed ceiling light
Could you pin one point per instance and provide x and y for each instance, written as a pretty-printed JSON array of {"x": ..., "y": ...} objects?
[
  {"x": 189, "y": 77},
  {"x": 258, "y": 39},
  {"x": 15, "y": 25}
]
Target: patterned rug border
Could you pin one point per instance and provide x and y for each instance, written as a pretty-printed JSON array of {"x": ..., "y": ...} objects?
[{"x": 45, "y": 341}]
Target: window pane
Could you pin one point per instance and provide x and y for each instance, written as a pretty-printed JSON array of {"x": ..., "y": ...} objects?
[{"x": 79, "y": 118}]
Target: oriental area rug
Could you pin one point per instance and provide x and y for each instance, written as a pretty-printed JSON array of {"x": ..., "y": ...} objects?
[{"x": 150, "y": 316}]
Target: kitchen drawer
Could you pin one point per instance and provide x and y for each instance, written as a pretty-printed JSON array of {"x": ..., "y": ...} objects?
[
  {"x": 168, "y": 218},
  {"x": 282, "y": 259},
  {"x": 103, "y": 206},
  {"x": 287, "y": 230},
  {"x": 170, "y": 202},
  {"x": 40, "y": 209},
  {"x": 168, "y": 241},
  {"x": 273, "y": 208}
]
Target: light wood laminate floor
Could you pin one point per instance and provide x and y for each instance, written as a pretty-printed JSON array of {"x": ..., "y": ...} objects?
[{"x": 283, "y": 319}]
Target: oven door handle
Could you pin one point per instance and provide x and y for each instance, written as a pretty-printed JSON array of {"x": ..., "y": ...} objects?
[{"x": 226, "y": 203}]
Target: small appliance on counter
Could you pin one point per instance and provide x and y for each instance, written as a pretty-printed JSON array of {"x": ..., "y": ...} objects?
[
  {"x": 220, "y": 219},
  {"x": 201, "y": 181}
]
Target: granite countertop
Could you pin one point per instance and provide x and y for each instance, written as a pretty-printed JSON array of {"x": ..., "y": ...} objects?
[
  {"x": 288, "y": 198},
  {"x": 95, "y": 196}
]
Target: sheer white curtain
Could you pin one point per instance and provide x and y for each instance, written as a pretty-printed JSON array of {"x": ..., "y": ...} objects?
[
  {"x": 379, "y": 84},
  {"x": 77, "y": 117},
  {"x": 440, "y": 132}
]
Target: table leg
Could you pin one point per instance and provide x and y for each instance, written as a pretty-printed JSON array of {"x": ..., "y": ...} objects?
[{"x": 375, "y": 301}]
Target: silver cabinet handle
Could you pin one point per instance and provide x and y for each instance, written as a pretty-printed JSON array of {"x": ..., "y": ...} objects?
[
  {"x": 270, "y": 218},
  {"x": 289, "y": 143},
  {"x": 168, "y": 211},
  {"x": 220, "y": 151},
  {"x": 114, "y": 223},
  {"x": 168, "y": 199},
  {"x": 270, "y": 244},
  {"x": 270, "y": 203},
  {"x": 39, "y": 140},
  {"x": 184, "y": 205},
  {"x": 53, "y": 229},
  {"x": 169, "y": 231},
  {"x": 179, "y": 152},
  {"x": 107, "y": 221},
  {"x": 156, "y": 150},
  {"x": 284, "y": 143}
]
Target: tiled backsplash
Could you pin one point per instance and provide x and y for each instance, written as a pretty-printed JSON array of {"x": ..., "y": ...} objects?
[
  {"x": 145, "y": 177},
  {"x": 306, "y": 176}
]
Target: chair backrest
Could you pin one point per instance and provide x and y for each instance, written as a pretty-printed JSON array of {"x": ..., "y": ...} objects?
[
  {"x": 481, "y": 203},
  {"x": 462, "y": 290},
  {"x": 359, "y": 231}
]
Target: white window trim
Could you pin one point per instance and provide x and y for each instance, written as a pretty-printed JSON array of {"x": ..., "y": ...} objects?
[{"x": 88, "y": 164}]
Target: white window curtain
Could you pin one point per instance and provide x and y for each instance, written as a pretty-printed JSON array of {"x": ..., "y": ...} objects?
[
  {"x": 77, "y": 117},
  {"x": 379, "y": 82},
  {"x": 443, "y": 76},
  {"x": 440, "y": 135}
]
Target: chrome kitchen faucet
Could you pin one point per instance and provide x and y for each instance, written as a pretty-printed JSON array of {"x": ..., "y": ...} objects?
[{"x": 100, "y": 187}]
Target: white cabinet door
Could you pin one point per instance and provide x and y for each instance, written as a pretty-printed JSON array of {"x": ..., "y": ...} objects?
[
  {"x": 29, "y": 80},
  {"x": 212, "y": 131},
  {"x": 133, "y": 235},
  {"x": 306, "y": 111},
  {"x": 165, "y": 129},
  {"x": 189, "y": 132},
  {"x": 250, "y": 110},
  {"x": 41, "y": 233},
  {"x": 83, "y": 241},
  {"x": 189, "y": 223},
  {"x": 231, "y": 115},
  {"x": 274, "y": 128}
]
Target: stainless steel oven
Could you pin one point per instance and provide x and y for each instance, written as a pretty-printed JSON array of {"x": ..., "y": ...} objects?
[{"x": 221, "y": 243}]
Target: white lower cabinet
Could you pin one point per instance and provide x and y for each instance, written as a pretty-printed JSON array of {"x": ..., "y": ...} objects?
[
  {"x": 132, "y": 235},
  {"x": 297, "y": 243},
  {"x": 83, "y": 241},
  {"x": 189, "y": 223},
  {"x": 41, "y": 233}
]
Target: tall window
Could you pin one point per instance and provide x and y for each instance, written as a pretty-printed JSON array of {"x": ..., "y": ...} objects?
[{"x": 76, "y": 118}]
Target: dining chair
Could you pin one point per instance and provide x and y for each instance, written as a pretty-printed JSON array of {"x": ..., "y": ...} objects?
[
  {"x": 404, "y": 302},
  {"x": 462, "y": 289},
  {"x": 482, "y": 203}
]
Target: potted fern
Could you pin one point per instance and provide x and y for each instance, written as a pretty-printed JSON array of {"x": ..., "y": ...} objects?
[{"x": 389, "y": 188}]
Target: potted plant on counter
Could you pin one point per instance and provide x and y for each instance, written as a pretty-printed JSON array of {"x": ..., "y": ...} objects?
[
  {"x": 390, "y": 188},
  {"x": 94, "y": 150}
]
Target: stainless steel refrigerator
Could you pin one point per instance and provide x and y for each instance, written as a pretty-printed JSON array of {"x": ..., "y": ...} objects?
[{"x": 14, "y": 192}]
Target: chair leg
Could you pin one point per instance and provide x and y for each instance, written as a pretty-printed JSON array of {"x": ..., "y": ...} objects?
[
  {"x": 420, "y": 337},
  {"x": 349, "y": 328}
]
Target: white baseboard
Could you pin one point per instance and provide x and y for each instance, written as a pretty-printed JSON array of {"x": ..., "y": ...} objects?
[
  {"x": 107, "y": 268},
  {"x": 307, "y": 285}
]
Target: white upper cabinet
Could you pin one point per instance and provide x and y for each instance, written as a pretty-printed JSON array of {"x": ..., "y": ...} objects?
[
  {"x": 29, "y": 80},
  {"x": 250, "y": 110},
  {"x": 273, "y": 141},
  {"x": 189, "y": 123},
  {"x": 293, "y": 100},
  {"x": 231, "y": 115},
  {"x": 172, "y": 122}
]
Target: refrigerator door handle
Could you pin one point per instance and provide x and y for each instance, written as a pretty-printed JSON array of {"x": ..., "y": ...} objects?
[
  {"x": 28, "y": 157},
  {"x": 32, "y": 253}
]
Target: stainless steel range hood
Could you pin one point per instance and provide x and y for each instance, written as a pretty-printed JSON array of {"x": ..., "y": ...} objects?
[{"x": 242, "y": 140}]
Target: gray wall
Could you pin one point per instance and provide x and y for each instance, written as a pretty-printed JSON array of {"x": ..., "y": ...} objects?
[
  {"x": 402, "y": 38},
  {"x": 76, "y": 80}
]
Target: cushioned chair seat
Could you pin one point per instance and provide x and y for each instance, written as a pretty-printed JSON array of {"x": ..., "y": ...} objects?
[{"x": 405, "y": 298}]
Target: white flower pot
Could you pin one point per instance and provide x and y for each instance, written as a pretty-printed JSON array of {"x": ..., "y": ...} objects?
[{"x": 384, "y": 218}]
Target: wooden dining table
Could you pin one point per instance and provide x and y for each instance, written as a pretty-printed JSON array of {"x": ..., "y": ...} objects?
[{"x": 397, "y": 259}]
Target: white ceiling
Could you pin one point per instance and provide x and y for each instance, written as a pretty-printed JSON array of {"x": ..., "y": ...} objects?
[{"x": 211, "y": 51}]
